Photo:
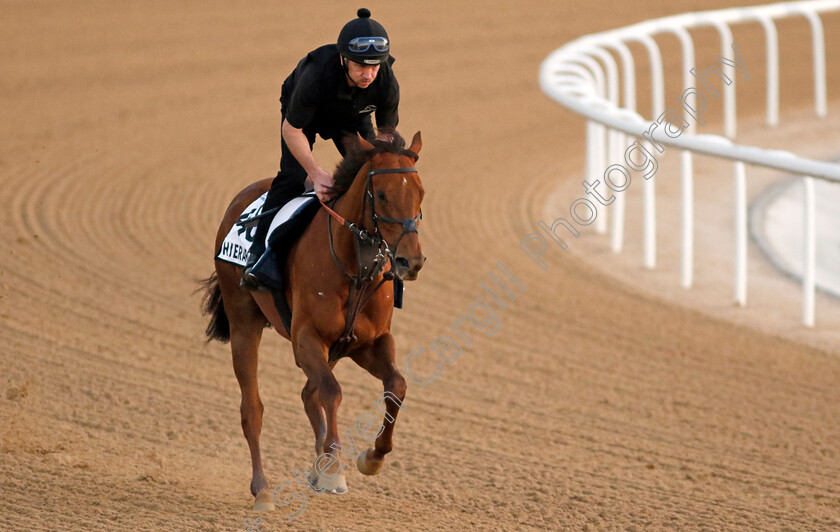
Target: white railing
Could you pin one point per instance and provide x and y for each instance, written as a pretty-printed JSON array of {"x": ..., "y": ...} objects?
[{"x": 584, "y": 76}]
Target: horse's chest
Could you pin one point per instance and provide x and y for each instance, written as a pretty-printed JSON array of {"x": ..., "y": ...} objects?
[{"x": 374, "y": 318}]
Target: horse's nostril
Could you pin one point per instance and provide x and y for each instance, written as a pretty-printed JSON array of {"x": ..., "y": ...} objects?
[{"x": 402, "y": 262}]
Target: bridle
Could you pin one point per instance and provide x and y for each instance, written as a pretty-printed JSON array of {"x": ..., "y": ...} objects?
[
  {"x": 409, "y": 224},
  {"x": 367, "y": 268}
]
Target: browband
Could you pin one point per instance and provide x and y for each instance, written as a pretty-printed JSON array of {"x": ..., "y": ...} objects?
[{"x": 404, "y": 170}]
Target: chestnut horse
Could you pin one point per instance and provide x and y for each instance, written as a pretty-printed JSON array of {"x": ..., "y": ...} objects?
[{"x": 338, "y": 286}]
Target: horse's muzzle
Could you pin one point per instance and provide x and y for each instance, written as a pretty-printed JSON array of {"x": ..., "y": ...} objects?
[{"x": 407, "y": 268}]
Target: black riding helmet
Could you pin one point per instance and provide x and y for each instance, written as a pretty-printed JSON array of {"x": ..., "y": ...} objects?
[{"x": 364, "y": 40}]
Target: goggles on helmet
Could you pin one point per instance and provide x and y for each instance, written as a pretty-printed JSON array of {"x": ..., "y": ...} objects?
[{"x": 363, "y": 44}]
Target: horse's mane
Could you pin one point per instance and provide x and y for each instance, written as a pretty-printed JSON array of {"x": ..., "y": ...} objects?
[{"x": 387, "y": 141}]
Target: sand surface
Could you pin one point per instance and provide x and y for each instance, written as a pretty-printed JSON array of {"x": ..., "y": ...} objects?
[{"x": 595, "y": 405}]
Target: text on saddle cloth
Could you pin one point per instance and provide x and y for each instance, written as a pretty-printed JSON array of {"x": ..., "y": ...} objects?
[{"x": 238, "y": 241}]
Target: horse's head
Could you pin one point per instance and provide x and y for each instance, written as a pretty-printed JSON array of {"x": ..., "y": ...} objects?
[{"x": 393, "y": 193}]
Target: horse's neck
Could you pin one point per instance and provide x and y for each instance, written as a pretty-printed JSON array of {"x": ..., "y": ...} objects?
[{"x": 352, "y": 207}]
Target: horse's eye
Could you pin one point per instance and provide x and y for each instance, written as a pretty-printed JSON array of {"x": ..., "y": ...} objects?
[{"x": 380, "y": 195}]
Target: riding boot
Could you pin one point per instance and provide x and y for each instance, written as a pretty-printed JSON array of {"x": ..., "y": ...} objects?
[{"x": 250, "y": 279}]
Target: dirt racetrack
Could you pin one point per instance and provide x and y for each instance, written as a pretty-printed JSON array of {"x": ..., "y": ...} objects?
[{"x": 128, "y": 126}]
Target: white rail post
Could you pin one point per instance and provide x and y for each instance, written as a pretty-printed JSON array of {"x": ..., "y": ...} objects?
[
  {"x": 618, "y": 207},
  {"x": 771, "y": 37},
  {"x": 730, "y": 119},
  {"x": 649, "y": 185},
  {"x": 602, "y": 221},
  {"x": 810, "y": 249},
  {"x": 818, "y": 43},
  {"x": 687, "y": 219},
  {"x": 611, "y": 147},
  {"x": 740, "y": 234},
  {"x": 629, "y": 72},
  {"x": 592, "y": 156},
  {"x": 649, "y": 220},
  {"x": 598, "y": 147},
  {"x": 687, "y": 168}
]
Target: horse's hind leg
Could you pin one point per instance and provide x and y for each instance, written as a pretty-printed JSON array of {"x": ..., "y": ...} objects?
[
  {"x": 379, "y": 362},
  {"x": 245, "y": 335}
]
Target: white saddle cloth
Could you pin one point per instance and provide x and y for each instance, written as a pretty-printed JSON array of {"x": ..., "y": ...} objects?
[{"x": 238, "y": 241}]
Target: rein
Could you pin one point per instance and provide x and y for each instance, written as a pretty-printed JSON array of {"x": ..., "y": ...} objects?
[{"x": 366, "y": 244}]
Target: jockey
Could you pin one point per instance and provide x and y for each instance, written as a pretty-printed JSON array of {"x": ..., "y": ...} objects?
[{"x": 332, "y": 93}]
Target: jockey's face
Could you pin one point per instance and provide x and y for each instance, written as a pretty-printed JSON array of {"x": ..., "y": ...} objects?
[{"x": 359, "y": 75}]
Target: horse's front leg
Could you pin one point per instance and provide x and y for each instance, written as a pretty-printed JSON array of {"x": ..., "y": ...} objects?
[
  {"x": 315, "y": 413},
  {"x": 379, "y": 362},
  {"x": 311, "y": 355}
]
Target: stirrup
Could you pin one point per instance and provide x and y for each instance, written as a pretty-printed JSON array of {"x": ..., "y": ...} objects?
[
  {"x": 252, "y": 283},
  {"x": 249, "y": 280}
]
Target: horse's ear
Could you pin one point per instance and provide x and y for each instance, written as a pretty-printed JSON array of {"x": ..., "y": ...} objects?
[
  {"x": 363, "y": 144},
  {"x": 416, "y": 143}
]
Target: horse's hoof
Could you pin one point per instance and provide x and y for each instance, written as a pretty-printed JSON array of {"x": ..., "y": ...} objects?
[
  {"x": 335, "y": 486},
  {"x": 263, "y": 502},
  {"x": 369, "y": 465}
]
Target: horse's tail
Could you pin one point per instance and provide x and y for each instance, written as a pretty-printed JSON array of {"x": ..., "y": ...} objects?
[{"x": 211, "y": 303}]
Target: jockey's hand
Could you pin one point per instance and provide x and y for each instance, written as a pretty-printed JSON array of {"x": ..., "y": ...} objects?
[{"x": 322, "y": 181}]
